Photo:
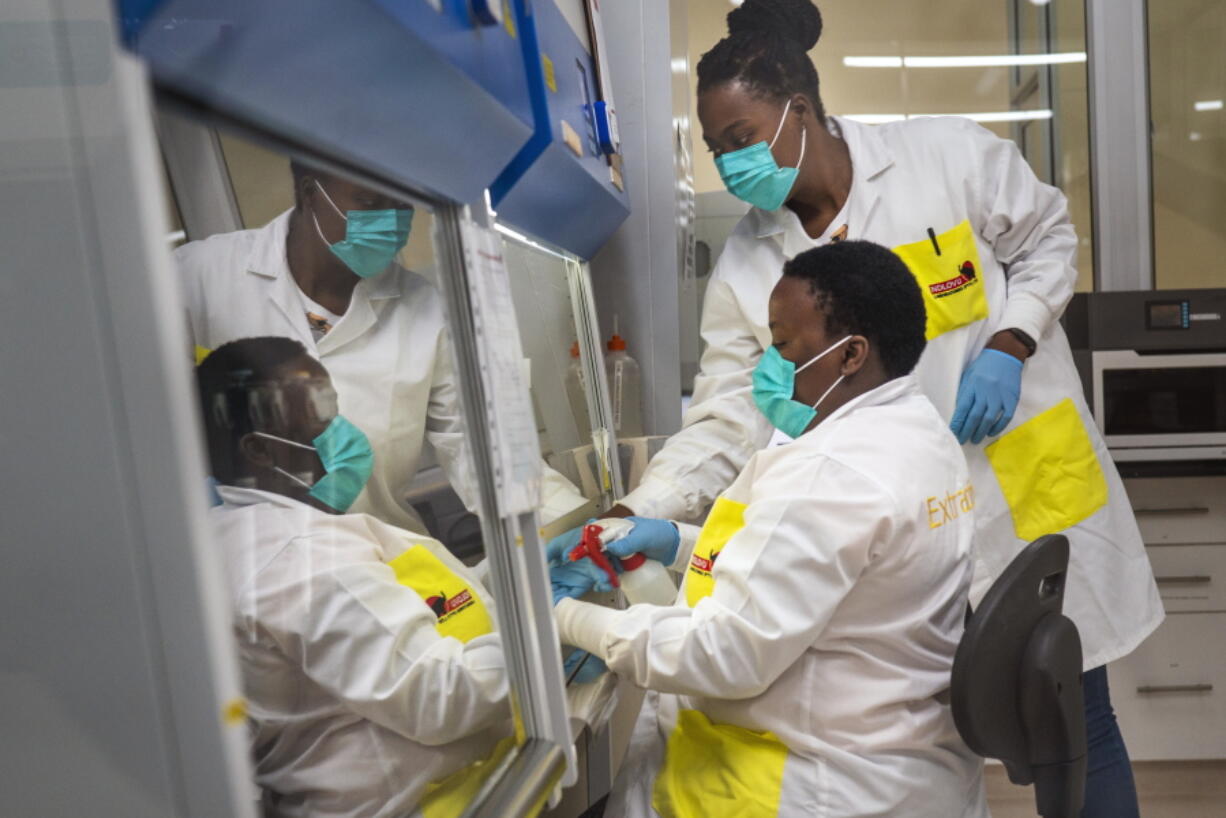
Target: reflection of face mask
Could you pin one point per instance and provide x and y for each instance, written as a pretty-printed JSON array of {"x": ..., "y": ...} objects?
[
  {"x": 752, "y": 175},
  {"x": 372, "y": 237},
  {"x": 348, "y": 463},
  {"x": 774, "y": 384}
]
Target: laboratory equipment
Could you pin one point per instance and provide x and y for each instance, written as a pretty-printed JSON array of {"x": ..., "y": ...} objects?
[
  {"x": 625, "y": 385},
  {"x": 567, "y": 184},
  {"x": 1155, "y": 367},
  {"x": 422, "y": 93}
]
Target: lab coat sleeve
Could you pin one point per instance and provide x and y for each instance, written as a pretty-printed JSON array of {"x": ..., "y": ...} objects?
[
  {"x": 687, "y": 539},
  {"x": 778, "y": 582},
  {"x": 722, "y": 428},
  {"x": 1027, "y": 224},
  {"x": 372, "y": 643}
]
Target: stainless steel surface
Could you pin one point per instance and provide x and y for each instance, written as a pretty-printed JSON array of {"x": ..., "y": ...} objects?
[
  {"x": 596, "y": 383},
  {"x": 1120, "y": 144},
  {"x": 521, "y": 786},
  {"x": 517, "y": 567}
]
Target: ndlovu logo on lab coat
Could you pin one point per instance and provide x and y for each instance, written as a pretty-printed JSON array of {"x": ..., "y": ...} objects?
[
  {"x": 965, "y": 278},
  {"x": 445, "y": 608}
]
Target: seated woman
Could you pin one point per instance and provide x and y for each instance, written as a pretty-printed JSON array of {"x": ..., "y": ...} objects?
[
  {"x": 374, "y": 678},
  {"x": 805, "y": 667}
]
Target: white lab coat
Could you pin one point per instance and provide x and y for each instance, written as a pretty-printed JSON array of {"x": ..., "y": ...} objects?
[
  {"x": 829, "y": 619},
  {"x": 389, "y": 359},
  {"x": 1050, "y": 470},
  {"x": 355, "y": 699}
]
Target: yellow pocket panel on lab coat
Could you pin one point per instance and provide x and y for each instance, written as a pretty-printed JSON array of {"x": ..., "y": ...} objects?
[
  {"x": 726, "y": 518},
  {"x": 460, "y": 612},
  {"x": 719, "y": 771},
  {"x": 953, "y": 289},
  {"x": 450, "y": 796},
  {"x": 1048, "y": 472}
]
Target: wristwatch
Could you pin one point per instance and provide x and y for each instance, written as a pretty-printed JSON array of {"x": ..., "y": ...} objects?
[{"x": 1025, "y": 340}]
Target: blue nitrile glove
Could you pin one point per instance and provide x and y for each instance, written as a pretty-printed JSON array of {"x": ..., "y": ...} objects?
[
  {"x": 574, "y": 579},
  {"x": 987, "y": 396},
  {"x": 557, "y": 554},
  {"x": 654, "y": 539},
  {"x": 592, "y": 668},
  {"x": 558, "y": 549}
]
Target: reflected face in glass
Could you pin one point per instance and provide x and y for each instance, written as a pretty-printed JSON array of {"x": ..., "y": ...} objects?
[
  {"x": 329, "y": 198},
  {"x": 298, "y": 406}
]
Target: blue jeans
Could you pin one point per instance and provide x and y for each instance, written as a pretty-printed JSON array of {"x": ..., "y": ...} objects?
[{"x": 1110, "y": 789}]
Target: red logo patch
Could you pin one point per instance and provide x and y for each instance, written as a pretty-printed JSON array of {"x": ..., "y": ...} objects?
[{"x": 965, "y": 277}]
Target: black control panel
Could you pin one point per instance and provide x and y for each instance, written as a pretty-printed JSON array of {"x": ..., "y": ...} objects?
[{"x": 1149, "y": 321}]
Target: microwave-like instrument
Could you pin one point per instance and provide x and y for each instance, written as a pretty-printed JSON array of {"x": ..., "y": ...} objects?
[{"x": 1154, "y": 367}]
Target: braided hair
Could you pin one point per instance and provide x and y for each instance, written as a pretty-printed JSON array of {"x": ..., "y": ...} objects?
[{"x": 767, "y": 49}]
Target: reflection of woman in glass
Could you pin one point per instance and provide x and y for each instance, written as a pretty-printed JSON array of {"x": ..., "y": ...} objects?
[
  {"x": 325, "y": 273},
  {"x": 939, "y": 191},
  {"x": 373, "y": 674}
]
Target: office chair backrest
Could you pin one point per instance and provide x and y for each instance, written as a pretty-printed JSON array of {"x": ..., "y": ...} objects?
[{"x": 1016, "y": 687}]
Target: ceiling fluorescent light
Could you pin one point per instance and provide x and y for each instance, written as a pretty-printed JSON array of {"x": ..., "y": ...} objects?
[
  {"x": 873, "y": 62},
  {"x": 974, "y": 61},
  {"x": 990, "y": 116},
  {"x": 993, "y": 60},
  {"x": 1208, "y": 105}
]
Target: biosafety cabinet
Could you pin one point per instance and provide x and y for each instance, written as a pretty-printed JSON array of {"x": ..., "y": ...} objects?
[{"x": 131, "y": 130}]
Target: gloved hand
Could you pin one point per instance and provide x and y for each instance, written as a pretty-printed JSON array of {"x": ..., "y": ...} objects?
[
  {"x": 574, "y": 579},
  {"x": 591, "y": 670},
  {"x": 987, "y": 396},
  {"x": 558, "y": 549},
  {"x": 557, "y": 556},
  {"x": 654, "y": 539}
]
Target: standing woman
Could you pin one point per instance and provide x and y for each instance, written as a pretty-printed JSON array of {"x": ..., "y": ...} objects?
[{"x": 994, "y": 253}]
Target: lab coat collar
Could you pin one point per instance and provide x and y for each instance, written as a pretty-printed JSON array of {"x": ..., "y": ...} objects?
[
  {"x": 237, "y": 497},
  {"x": 269, "y": 261},
  {"x": 870, "y": 158},
  {"x": 888, "y": 392}
]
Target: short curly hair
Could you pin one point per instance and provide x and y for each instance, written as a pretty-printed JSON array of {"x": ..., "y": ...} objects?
[{"x": 864, "y": 289}]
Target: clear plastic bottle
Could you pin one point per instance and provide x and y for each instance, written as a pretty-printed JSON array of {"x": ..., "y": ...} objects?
[
  {"x": 646, "y": 580},
  {"x": 625, "y": 383},
  {"x": 577, "y": 395},
  {"x": 642, "y": 579}
]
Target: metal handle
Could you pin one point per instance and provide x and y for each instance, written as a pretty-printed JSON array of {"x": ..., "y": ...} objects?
[
  {"x": 1171, "y": 511},
  {"x": 1195, "y": 579},
  {"x": 1193, "y": 688}
]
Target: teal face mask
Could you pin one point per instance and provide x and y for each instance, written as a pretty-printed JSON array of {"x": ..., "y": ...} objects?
[
  {"x": 774, "y": 384},
  {"x": 372, "y": 237},
  {"x": 752, "y": 175},
  {"x": 348, "y": 463}
]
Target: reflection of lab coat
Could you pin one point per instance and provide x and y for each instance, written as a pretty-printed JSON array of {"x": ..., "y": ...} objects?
[
  {"x": 356, "y": 700},
  {"x": 388, "y": 357},
  {"x": 822, "y": 602},
  {"x": 1050, "y": 470}
]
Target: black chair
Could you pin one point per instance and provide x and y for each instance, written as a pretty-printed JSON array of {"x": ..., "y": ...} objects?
[{"x": 1016, "y": 689}]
